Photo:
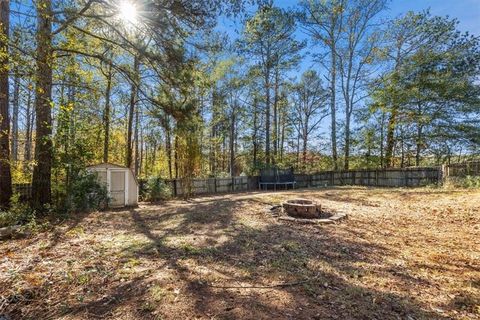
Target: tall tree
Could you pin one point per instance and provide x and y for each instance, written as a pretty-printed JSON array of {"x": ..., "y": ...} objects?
[
  {"x": 356, "y": 51},
  {"x": 5, "y": 174},
  {"x": 323, "y": 22},
  {"x": 107, "y": 110},
  {"x": 41, "y": 181},
  {"x": 309, "y": 107},
  {"x": 131, "y": 111}
]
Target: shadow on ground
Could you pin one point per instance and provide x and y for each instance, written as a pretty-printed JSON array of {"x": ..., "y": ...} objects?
[{"x": 226, "y": 259}]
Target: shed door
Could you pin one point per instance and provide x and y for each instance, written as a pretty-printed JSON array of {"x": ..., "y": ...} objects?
[{"x": 117, "y": 188}]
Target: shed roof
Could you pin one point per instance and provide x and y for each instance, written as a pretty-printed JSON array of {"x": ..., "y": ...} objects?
[{"x": 107, "y": 165}]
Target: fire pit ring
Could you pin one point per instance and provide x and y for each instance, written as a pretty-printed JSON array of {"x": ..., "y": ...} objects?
[{"x": 302, "y": 208}]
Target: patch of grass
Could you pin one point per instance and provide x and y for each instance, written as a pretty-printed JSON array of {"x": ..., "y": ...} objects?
[
  {"x": 75, "y": 232},
  {"x": 292, "y": 246},
  {"x": 157, "y": 293},
  {"x": 132, "y": 262},
  {"x": 191, "y": 250}
]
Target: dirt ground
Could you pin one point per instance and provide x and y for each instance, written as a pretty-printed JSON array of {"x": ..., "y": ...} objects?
[{"x": 401, "y": 254}]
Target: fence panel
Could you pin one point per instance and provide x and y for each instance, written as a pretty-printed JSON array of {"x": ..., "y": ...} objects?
[
  {"x": 471, "y": 168},
  {"x": 23, "y": 189}
]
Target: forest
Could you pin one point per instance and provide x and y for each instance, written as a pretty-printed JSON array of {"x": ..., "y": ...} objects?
[{"x": 219, "y": 88}]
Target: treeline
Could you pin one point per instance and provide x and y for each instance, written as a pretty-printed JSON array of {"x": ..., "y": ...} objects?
[{"x": 156, "y": 86}]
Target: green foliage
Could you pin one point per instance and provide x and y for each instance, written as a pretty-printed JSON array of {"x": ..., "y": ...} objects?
[
  {"x": 19, "y": 213},
  {"x": 157, "y": 190},
  {"x": 471, "y": 182},
  {"x": 84, "y": 193},
  {"x": 431, "y": 90}
]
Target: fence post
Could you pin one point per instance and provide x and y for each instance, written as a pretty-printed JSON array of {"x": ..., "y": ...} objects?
[
  {"x": 174, "y": 187},
  {"x": 332, "y": 178},
  {"x": 442, "y": 174}
]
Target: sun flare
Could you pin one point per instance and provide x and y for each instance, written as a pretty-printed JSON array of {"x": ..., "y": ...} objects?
[{"x": 128, "y": 11}]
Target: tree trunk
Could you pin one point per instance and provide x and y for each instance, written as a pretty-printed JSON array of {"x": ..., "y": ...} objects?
[
  {"x": 232, "y": 143},
  {"x": 71, "y": 130},
  {"x": 136, "y": 140},
  {"x": 29, "y": 115},
  {"x": 419, "y": 137},
  {"x": 305, "y": 143},
  {"x": 347, "y": 142},
  {"x": 15, "y": 108},
  {"x": 168, "y": 146},
  {"x": 382, "y": 134},
  {"x": 5, "y": 173},
  {"x": 298, "y": 150},
  {"x": 419, "y": 145},
  {"x": 131, "y": 113},
  {"x": 255, "y": 133},
  {"x": 389, "y": 160},
  {"x": 141, "y": 158},
  {"x": 106, "y": 114},
  {"x": 333, "y": 81},
  {"x": 41, "y": 181},
  {"x": 267, "y": 117},
  {"x": 275, "y": 116},
  {"x": 282, "y": 139},
  {"x": 176, "y": 156},
  {"x": 402, "y": 146}
]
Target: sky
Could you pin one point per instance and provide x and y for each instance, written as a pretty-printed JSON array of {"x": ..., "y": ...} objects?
[{"x": 466, "y": 11}]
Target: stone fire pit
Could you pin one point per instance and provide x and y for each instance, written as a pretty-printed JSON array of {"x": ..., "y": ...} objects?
[
  {"x": 302, "y": 208},
  {"x": 309, "y": 211}
]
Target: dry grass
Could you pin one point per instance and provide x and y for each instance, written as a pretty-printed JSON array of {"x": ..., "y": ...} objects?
[{"x": 402, "y": 254}]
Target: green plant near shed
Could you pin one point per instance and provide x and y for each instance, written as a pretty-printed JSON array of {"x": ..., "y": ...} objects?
[{"x": 157, "y": 190}]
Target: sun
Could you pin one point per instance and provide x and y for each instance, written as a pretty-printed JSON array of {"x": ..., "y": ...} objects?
[{"x": 128, "y": 11}]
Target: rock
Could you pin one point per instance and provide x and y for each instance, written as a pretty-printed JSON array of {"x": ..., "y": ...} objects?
[{"x": 9, "y": 232}]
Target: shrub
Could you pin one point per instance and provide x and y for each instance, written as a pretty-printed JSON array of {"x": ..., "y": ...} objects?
[
  {"x": 472, "y": 182},
  {"x": 85, "y": 193},
  {"x": 463, "y": 182},
  {"x": 18, "y": 214},
  {"x": 157, "y": 190}
]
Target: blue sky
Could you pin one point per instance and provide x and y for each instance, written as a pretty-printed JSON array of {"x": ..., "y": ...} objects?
[{"x": 466, "y": 11}]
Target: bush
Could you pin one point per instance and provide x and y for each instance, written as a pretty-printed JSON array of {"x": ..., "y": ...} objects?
[
  {"x": 157, "y": 190},
  {"x": 18, "y": 214},
  {"x": 85, "y": 193},
  {"x": 472, "y": 182},
  {"x": 463, "y": 182}
]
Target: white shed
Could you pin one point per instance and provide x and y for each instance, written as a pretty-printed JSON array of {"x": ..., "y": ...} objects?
[{"x": 122, "y": 186}]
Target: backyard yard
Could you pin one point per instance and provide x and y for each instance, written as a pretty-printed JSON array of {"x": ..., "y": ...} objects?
[{"x": 401, "y": 254}]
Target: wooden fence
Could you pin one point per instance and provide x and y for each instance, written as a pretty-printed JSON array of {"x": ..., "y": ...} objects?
[
  {"x": 471, "y": 168},
  {"x": 23, "y": 189},
  {"x": 215, "y": 185},
  {"x": 396, "y": 177}
]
